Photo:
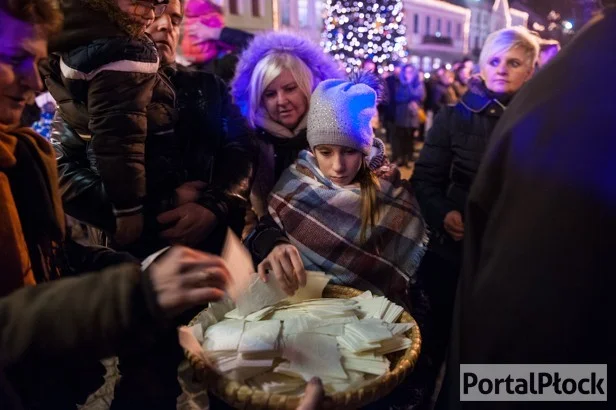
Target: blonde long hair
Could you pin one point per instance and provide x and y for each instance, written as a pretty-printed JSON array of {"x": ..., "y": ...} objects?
[{"x": 369, "y": 208}]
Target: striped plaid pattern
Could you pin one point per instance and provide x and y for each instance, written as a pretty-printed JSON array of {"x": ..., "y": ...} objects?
[{"x": 323, "y": 221}]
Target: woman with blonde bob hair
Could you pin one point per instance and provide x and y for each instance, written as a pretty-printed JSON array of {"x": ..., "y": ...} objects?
[
  {"x": 274, "y": 79},
  {"x": 450, "y": 159}
]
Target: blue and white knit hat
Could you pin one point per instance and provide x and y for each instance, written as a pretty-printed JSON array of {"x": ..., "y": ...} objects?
[{"x": 341, "y": 112}]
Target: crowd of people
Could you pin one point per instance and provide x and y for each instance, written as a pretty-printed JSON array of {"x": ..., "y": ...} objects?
[{"x": 498, "y": 244}]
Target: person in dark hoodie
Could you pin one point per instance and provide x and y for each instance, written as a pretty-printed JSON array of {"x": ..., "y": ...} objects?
[
  {"x": 104, "y": 75},
  {"x": 537, "y": 284},
  {"x": 449, "y": 161}
]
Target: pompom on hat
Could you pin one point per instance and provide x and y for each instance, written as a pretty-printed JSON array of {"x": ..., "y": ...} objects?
[{"x": 341, "y": 112}]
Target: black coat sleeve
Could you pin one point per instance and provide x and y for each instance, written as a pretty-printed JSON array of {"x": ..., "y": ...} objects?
[
  {"x": 83, "y": 194},
  {"x": 266, "y": 236},
  {"x": 234, "y": 168},
  {"x": 235, "y": 37},
  {"x": 431, "y": 175},
  {"x": 90, "y": 316},
  {"x": 230, "y": 180}
]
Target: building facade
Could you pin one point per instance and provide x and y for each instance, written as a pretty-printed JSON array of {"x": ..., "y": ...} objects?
[
  {"x": 249, "y": 15},
  {"x": 437, "y": 32},
  {"x": 301, "y": 16},
  {"x": 488, "y": 16}
]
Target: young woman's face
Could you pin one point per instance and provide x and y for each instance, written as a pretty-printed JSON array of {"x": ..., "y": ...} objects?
[
  {"x": 507, "y": 71},
  {"x": 284, "y": 101},
  {"x": 339, "y": 164}
]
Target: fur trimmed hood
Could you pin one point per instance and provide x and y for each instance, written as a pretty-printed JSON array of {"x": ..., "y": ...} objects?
[{"x": 321, "y": 65}]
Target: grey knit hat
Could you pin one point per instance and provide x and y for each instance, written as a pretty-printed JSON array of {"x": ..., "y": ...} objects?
[{"x": 341, "y": 111}]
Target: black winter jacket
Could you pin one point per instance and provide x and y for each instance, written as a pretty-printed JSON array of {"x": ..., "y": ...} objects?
[
  {"x": 450, "y": 159},
  {"x": 215, "y": 145}
]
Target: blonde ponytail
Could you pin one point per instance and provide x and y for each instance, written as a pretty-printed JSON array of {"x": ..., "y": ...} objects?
[{"x": 369, "y": 208}]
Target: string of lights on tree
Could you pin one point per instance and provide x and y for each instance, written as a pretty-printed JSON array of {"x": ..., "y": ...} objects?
[{"x": 360, "y": 30}]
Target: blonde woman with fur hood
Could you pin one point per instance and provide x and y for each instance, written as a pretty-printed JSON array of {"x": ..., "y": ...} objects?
[{"x": 274, "y": 79}]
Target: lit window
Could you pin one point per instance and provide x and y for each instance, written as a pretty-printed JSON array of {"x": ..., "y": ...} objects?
[
  {"x": 285, "y": 12},
  {"x": 256, "y": 8},
  {"x": 319, "y": 9},
  {"x": 302, "y": 13},
  {"x": 427, "y": 66},
  {"x": 233, "y": 7}
]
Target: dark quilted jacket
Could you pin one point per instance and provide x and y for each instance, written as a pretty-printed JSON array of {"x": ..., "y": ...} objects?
[
  {"x": 450, "y": 159},
  {"x": 112, "y": 95},
  {"x": 215, "y": 147}
]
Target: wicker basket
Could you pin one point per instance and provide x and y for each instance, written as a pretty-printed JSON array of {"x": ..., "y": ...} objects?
[{"x": 242, "y": 396}]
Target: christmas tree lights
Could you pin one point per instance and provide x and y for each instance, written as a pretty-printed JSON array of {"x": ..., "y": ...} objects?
[{"x": 356, "y": 31}]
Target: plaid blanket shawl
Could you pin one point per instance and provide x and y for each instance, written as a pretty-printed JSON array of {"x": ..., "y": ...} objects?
[{"x": 323, "y": 221}]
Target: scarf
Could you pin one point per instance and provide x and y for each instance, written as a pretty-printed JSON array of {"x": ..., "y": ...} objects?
[
  {"x": 264, "y": 179},
  {"x": 31, "y": 216},
  {"x": 323, "y": 221}
]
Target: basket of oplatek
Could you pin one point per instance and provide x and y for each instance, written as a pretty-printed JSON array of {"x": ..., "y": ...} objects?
[{"x": 259, "y": 352}]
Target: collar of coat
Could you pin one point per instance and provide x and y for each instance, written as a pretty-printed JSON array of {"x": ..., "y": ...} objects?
[
  {"x": 478, "y": 99},
  {"x": 264, "y": 121}
]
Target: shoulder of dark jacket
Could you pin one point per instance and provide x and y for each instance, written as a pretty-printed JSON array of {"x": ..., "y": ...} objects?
[
  {"x": 105, "y": 51},
  {"x": 190, "y": 75}
]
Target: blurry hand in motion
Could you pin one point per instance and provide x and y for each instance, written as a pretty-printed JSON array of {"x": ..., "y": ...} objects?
[{"x": 183, "y": 278}]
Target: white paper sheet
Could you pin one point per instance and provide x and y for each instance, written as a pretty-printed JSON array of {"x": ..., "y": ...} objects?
[
  {"x": 224, "y": 335},
  {"x": 260, "y": 336},
  {"x": 259, "y": 295},
  {"x": 315, "y": 283},
  {"x": 312, "y": 354}
]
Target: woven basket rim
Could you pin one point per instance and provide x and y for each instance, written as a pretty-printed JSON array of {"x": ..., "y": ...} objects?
[{"x": 240, "y": 395}]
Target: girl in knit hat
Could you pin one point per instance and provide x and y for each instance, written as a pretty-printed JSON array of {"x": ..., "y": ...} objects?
[{"x": 344, "y": 209}]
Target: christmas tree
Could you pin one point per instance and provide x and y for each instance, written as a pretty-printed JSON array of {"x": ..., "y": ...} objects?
[{"x": 359, "y": 30}]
